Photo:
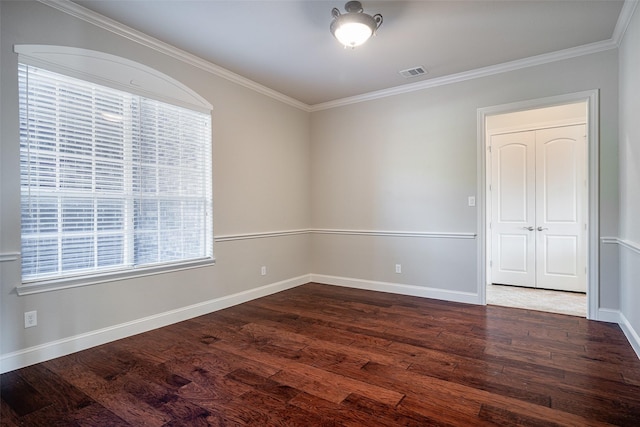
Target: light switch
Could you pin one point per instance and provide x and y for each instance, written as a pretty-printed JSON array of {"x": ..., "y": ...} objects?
[{"x": 472, "y": 201}]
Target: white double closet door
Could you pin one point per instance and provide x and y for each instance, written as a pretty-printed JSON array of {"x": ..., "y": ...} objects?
[{"x": 538, "y": 208}]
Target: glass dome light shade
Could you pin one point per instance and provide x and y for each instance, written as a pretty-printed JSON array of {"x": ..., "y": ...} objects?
[
  {"x": 354, "y": 27},
  {"x": 352, "y": 34}
]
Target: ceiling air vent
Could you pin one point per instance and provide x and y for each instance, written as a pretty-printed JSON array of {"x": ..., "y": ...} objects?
[{"x": 413, "y": 72}]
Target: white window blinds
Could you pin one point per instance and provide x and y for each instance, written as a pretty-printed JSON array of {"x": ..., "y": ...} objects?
[{"x": 110, "y": 181}]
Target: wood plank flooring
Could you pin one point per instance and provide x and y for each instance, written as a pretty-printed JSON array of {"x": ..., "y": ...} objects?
[{"x": 321, "y": 355}]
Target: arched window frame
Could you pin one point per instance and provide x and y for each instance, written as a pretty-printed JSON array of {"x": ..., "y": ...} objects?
[{"x": 158, "y": 99}]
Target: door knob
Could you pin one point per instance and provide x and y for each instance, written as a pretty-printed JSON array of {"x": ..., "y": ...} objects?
[
  {"x": 528, "y": 228},
  {"x": 540, "y": 228}
]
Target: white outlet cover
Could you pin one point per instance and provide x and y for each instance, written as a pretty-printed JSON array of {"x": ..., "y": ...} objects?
[{"x": 30, "y": 319}]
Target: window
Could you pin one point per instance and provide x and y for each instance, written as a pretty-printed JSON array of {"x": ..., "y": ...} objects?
[{"x": 111, "y": 181}]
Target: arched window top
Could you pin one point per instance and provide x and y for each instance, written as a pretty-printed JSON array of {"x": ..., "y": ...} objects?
[{"x": 112, "y": 71}]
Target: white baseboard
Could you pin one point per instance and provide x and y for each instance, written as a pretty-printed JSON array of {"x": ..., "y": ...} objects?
[
  {"x": 608, "y": 315},
  {"x": 51, "y": 350},
  {"x": 397, "y": 288},
  {"x": 62, "y": 347},
  {"x": 603, "y": 314},
  {"x": 631, "y": 334},
  {"x": 616, "y": 316}
]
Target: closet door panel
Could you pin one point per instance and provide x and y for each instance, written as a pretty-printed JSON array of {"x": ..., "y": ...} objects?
[
  {"x": 513, "y": 209},
  {"x": 560, "y": 201}
]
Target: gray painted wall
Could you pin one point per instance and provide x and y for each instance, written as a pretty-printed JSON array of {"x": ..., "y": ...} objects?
[
  {"x": 630, "y": 173},
  {"x": 261, "y": 181},
  {"x": 402, "y": 163},
  {"x": 409, "y": 163}
]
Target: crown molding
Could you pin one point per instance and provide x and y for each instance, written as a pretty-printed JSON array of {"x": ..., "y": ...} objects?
[
  {"x": 626, "y": 13},
  {"x": 624, "y": 19},
  {"x": 115, "y": 27},
  {"x": 473, "y": 74},
  {"x": 129, "y": 33}
]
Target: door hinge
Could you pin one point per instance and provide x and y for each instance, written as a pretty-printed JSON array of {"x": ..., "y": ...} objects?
[
  {"x": 490, "y": 263},
  {"x": 489, "y": 148}
]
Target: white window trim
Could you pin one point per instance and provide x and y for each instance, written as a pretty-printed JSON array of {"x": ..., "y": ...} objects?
[
  {"x": 112, "y": 71},
  {"x": 28, "y": 288},
  {"x": 122, "y": 74}
]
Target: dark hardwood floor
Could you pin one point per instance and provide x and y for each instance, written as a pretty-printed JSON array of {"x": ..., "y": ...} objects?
[{"x": 321, "y": 355}]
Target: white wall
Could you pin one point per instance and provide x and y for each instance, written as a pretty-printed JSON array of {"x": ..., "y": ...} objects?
[
  {"x": 630, "y": 176},
  {"x": 409, "y": 162},
  {"x": 261, "y": 181}
]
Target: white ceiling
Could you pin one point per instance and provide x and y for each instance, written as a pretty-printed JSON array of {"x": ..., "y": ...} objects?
[{"x": 286, "y": 45}]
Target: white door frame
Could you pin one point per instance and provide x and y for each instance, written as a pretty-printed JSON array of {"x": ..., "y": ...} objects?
[{"x": 591, "y": 98}]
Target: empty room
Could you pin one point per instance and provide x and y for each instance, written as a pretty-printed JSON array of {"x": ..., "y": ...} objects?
[{"x": 319, "y": 213}]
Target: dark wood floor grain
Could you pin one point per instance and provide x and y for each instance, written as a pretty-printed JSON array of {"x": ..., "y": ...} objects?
[{"x": 321, "y": 355}]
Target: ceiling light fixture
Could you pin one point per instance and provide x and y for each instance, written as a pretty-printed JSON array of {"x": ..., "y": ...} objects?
[{"x": 354, "y": 27}]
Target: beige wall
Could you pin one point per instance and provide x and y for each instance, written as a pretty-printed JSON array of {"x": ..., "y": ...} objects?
[
  {"x": 630, "y": 174},
  {"x": 261, "y": 181}
]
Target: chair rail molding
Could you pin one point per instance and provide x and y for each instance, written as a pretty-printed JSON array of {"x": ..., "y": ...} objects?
[{"x": 9, "y": 256}]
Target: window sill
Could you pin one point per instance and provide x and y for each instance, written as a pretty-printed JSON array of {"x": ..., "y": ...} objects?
[{"x": 75, "y": 282}]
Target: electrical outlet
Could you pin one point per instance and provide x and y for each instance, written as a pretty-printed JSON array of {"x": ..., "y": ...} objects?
[
  {"x": 398, "y": 268},
  {"x": 263, "y": 270},
  {"x": 30, "y": 319}
]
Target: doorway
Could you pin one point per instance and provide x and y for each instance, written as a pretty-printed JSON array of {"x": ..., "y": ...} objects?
[
  {"x": 538, "y": 192},
  {"x": 537, "y": 206}
]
